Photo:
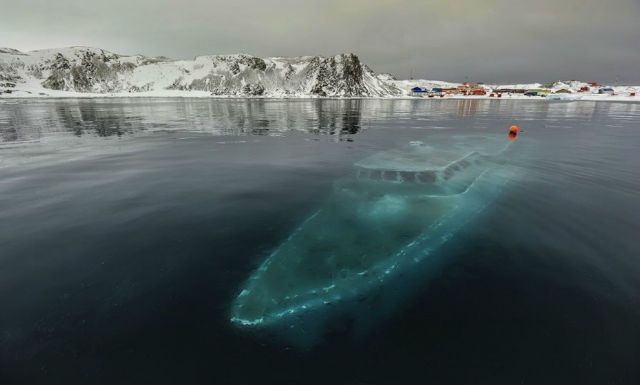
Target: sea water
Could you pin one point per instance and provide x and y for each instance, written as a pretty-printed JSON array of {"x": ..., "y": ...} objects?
[{"x": 129, "y": 226}]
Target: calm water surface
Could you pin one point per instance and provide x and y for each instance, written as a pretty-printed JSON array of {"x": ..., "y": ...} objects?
[{"x": 127, "y": 227}]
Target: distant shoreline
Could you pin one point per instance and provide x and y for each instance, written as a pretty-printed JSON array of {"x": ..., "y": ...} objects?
[
  {"x": 205, "y": 95},
  {"x": 88, "y": 72}
]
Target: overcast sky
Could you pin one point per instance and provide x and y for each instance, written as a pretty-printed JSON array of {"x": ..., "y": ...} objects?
[{"x": 480, "y": 40}]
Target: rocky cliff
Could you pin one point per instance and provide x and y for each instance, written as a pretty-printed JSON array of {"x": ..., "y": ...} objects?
[{"x": 96, "y": 71}]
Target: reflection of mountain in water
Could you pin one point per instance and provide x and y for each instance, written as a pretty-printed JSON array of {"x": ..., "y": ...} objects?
[
  {"x": 232, "y": 117},
  {"x": 36, "y": 119},
  {"x": 100, "y": 122}
]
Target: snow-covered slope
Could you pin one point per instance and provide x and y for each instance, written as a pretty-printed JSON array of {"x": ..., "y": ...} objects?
[
  {"x": 93, "y": 70},
  {"x": 87, "y": 71}
]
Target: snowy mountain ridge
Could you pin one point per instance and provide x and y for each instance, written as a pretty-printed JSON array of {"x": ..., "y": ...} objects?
[
  {"x": 94, "y": 72},
  {"x": 97, "y": 71}
]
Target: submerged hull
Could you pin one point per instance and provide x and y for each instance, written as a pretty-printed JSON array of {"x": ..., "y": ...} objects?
[{"x": 368, "y": 232}]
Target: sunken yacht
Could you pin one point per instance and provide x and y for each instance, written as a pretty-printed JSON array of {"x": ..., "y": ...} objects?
[{"x": 396, "y": 211}]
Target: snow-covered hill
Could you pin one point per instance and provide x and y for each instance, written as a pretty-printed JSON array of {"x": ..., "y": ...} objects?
[
  {"x": 86, "y": 71},
  {"x": 58, "y": 72}
]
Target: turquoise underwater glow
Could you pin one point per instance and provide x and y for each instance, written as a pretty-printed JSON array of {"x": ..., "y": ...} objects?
[{"x": 400, "y": 207}]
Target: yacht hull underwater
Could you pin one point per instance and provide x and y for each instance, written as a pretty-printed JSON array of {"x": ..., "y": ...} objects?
[{"x": 377, "y": 228}]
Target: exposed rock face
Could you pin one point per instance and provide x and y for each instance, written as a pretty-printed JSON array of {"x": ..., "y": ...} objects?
[
  {"x": 9, "y": 72},
  {"x": 59, "y": 73},
  {"x": 83, "y": 69},
  {"x": 253, "y": 89},
  {"x": 340, "y": 75},
  {"x": 244, "y": 75},
  {"x": 90, "y": 71}
]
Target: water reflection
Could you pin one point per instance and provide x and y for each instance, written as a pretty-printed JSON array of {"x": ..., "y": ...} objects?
[
  {"x": 116, "y": 254},
  {"x": 35, "y": 119},
  {"x": 105, "y": 118},
  {"x": 468, "y": 107}
]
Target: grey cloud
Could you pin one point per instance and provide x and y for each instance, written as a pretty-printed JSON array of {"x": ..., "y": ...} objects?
[{"x": 485, "y": 40}]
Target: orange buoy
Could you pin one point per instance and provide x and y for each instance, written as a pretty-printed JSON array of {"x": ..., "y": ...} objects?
[{"x": 513, "y": 132}]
